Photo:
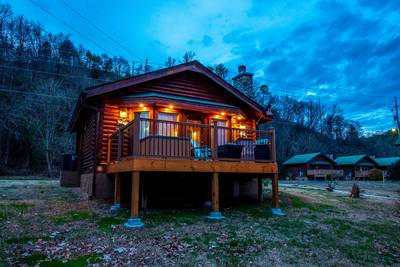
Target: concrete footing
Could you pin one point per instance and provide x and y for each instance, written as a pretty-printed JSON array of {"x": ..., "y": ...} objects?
[
  {"x": 215, "y": 215},
  {"x": 277, "y": 212},
  {"x": 115, "y": 207},
  {"x": 133, "y": 223}
]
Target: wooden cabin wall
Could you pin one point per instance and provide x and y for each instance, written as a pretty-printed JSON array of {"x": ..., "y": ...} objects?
[
  {"x": 189, "y": 84},
  {"x": 88, "y": 144},
  {"x": 108, "y": 125}
]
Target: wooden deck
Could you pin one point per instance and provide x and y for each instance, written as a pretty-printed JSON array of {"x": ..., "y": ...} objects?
[{"x": 183, "y": 165}]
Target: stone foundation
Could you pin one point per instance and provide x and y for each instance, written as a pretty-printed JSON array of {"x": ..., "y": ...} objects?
[{"x": 69, "y": 179}]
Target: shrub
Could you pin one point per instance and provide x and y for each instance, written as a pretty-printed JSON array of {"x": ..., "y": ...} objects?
[{"x": 375, "y": 174}]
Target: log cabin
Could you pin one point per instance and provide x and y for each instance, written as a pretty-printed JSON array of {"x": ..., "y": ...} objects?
[
  {"x": 311, "y": 166},
  {"x": 385, "y": 164},
  {"x": 355, "y": 167},
  {"x": 179, "y": 127}
]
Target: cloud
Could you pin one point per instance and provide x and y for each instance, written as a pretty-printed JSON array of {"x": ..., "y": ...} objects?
[
  {"x": 340, "y": 45},
  {"x": 309, "y": 93}
]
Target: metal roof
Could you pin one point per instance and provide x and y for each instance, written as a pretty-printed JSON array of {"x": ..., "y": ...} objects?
[
  {"x": 301, "y": 158},
  {"x": 352, "y": 160},
  {"x": 387, "y": 161}
]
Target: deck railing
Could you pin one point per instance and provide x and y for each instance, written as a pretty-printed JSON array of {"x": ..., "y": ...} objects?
[
  {"x": 182, "y": 140},
  {"x": 325, "y": 172},
  {"x": 361, "y": 174}
]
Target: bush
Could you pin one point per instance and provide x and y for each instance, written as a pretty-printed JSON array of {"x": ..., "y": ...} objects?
[{"x": 375, "y": 174}]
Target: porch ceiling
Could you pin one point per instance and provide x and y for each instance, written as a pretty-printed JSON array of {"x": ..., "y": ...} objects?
[{"x": 179, "y": 98}]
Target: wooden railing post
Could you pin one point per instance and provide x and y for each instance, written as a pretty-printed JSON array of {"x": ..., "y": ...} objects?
[
  {"x": 136, "y": 135},
  {"x": 119, "y": 142},
  {"x": 109, "y": 149},
  {"x": 273, "y": 145},
  {"x": 215, "y": 141}
]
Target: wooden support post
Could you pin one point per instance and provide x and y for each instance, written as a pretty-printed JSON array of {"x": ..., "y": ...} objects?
[
  {"x": 215, "y": 191},
  {"x": 215, "y": 214},
  {"x": 117, "y": 192},
  {"x": 260, "y": 189},
  {"x": 275, "y": 193},
  {"x": 134, "y": 221},
  {"x": 275, "y": 197},
  {"x": 117, "y": 189},
  {"x": 135, "y": 194}
]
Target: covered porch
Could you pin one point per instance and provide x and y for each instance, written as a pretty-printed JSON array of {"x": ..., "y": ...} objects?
[{"x": 148, "y": 145}]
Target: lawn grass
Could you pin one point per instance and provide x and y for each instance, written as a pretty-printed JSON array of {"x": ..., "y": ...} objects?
[
  {"x": 70, "y": 216},
  {"x": 319, "y": 228},
  {"x": 81, "y": 261},
  {"x": 177, "y": 217}
]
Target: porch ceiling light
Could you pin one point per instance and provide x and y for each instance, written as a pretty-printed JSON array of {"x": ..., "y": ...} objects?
[
  {"x": 171, "y": 106},
  {"x": 141, "y": 105},
  {"x": 223, "y": 113}
]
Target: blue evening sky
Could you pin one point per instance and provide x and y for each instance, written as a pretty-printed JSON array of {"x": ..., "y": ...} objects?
[{"x": 344, "y": 52}]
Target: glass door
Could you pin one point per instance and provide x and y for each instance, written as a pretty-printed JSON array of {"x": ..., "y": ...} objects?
[{"x": 168, "y": 127}]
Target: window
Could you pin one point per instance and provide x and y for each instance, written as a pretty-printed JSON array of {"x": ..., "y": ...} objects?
[
  {"x": 144, "y": 125},
  {"x": 168, "y": 127}
]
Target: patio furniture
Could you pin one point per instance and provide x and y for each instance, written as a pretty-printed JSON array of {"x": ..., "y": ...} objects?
[
  {"x": 230, "y": 151},
  {"x": 248, "y": 148},
  {"x": 262, "y": 149},
  {"x": 200, "y": 152}
]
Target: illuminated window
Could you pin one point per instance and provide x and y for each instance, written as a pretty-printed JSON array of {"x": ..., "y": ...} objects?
[{"x": 168, "y": 127}]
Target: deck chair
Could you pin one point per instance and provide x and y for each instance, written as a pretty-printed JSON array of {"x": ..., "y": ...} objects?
[{"x": 200, "y": 152}]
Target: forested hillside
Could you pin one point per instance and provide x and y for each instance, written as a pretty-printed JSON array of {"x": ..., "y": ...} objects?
[{"x": 42, "y": 74}]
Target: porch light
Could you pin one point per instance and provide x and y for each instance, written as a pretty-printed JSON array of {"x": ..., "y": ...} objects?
[
  {"x": 123, "y": 116},
  {"x": 242, "y": 126},
  {"x": 223, "y": 113},
  {"x": 239, "y": 118},
  {"x": 141, "y": 105},
  {"x": 171, "y": 106}
]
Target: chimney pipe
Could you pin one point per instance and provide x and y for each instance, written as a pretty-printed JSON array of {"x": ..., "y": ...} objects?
[
  {"x": 264, "y": 88},
  {"x": 242, "y": 69}
]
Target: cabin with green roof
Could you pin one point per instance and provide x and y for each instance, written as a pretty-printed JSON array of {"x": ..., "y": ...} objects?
[
  {"x": 356, "y": 166},
  {"x": 386, "y": 163},
  {"x": 310, "y": 166}
]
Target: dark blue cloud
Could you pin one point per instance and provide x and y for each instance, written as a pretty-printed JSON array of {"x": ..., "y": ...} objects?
[{"x": 349, "y": 50}]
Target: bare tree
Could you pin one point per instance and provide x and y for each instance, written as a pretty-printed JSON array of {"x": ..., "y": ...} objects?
[
  {"x": 170, "y": 62},
  {"x": 188, "y": 56}
]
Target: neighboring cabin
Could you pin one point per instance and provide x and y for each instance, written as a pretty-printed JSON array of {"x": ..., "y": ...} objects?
[
  {"x": 311, "y": 166},
  {"x": 172, "y": 133},
  {"x": 386, "y": 163},
  {"x": 356, "y": 167}
]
